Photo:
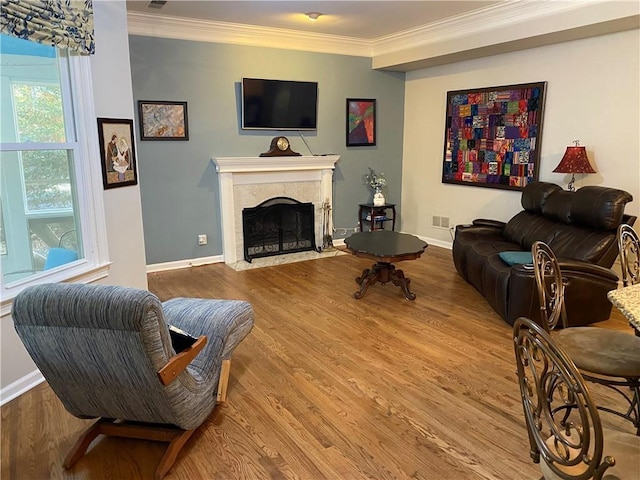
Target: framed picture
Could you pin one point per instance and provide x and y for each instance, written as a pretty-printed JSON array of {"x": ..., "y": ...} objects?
[
  {"x": 117, "y": 152},
  {"x": 361, "y": 122},
  {"x": 163, "y": 120},
  {"x": 492, "y": 136}
]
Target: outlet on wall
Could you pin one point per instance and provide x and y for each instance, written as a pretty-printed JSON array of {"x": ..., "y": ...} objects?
[{"x": 202, "y": 239}]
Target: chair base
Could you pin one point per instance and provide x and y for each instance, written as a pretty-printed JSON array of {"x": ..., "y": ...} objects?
[
  {"x": 175, "y": 436},
  {"x": 632, "y": 398}
]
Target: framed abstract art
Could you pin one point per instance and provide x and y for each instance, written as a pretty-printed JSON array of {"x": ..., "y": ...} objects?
[
  {"x": 163, "y": 120},
  {"x": 492, "y": 136},
  {"x": 361, "y": 122}
]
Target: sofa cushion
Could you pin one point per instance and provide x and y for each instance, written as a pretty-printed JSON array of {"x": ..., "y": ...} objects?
[
  {"x": 526, "y": 227},
  {"x": 558, "y": 206},
  {"x": 516, "y": 258},
  {"x": 535, "y": 194},
  {"x": 601, "y": 208},
  {"x": 585, "y": 244},
  {"x": 570, "y": 241}
]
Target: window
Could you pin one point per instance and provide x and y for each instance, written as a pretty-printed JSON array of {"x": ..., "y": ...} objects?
[{"x": 50, "y": 223}]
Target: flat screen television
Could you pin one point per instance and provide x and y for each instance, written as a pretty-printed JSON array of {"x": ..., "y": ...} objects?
[{"x": 279, "y": 104}]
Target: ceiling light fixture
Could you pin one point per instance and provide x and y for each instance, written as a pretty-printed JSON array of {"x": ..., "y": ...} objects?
[{"x": 313, "y": 15}]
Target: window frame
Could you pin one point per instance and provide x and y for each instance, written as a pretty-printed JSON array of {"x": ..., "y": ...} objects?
[{"x": 76, "y": 82}]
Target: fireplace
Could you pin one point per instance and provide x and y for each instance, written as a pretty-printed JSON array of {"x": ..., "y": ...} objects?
[
  {"x": 277, "y": 226},
  {"x": 249, "y": 181}
]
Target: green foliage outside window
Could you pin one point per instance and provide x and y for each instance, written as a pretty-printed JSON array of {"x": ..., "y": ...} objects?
[{"x": 40, "y": 118}]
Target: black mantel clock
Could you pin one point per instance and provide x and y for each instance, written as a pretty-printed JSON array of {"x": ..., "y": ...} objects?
[{"x": 279, "y": 147}]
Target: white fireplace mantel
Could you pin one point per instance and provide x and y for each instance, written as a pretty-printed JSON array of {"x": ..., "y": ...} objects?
[
  {"x": 238, "y": 171},
  {"x": 274, "y": 164}
]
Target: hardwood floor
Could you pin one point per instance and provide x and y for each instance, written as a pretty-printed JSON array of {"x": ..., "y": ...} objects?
[{"x": 325, "y": 386}]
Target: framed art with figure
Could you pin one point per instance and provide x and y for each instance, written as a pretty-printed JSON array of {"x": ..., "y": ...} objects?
[
  {"x": 492, "y": 136},
  {"x": 117, "y": 152},
  {"x": 361, "y": 122}
]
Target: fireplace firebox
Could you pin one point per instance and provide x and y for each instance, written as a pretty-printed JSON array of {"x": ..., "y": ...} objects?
[{"x": 277, "y": 226}]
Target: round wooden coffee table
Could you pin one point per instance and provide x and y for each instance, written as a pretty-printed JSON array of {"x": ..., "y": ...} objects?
[{"x": 385, "y": 247}]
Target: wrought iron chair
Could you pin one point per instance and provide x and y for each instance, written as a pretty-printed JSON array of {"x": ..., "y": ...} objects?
[
  {"x": 563, "y": 423},
  {"x": 106, "y": 352},
  {"x": 629, "y": 247},
  {"x": 607, "y": 357}
]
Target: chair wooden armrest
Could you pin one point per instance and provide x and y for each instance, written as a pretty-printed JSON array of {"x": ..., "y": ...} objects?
[{"x": 179, "y": 362}]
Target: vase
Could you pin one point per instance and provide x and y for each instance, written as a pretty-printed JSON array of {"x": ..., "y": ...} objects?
[{"x": 378, "y": 198}]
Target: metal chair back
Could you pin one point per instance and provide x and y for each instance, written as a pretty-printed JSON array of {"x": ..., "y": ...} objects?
[
  {"x": 629, "y": 248},
  {"x": 562, "y": 420},
  {"x": 550, "y": 285}
]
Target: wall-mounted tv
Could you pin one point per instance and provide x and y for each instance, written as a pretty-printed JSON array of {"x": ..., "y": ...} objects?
[{"x": 279, "y": 104}]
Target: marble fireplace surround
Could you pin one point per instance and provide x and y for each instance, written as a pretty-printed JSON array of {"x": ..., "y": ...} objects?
[{"x": 248, "y": 181}]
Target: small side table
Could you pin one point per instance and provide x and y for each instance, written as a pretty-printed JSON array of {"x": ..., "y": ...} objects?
[{"x": 375, "y": 216}]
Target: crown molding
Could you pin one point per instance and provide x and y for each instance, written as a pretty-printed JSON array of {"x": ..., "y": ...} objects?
[
  {"x": 502, "y": 24},
  {"x": 491, "y": 18},
  {"x": 511, "y": 26},
  {"x": 238, "y": 34}
]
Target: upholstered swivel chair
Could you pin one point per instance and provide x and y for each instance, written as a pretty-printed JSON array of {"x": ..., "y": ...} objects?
[
  {"x": 608, "y": 357},
  {"x": 562, "y": 420},
  {"x": 106, "y": 352},
  {"x": 629, "y": 248}
]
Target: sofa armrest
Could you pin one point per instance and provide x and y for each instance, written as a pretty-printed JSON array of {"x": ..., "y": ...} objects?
[
  {"x": 569, "y": 266},
  {"x": 482, "y": 226},
  {"x": 485, "y": 222},
  {"x": 585, "y": 293}
]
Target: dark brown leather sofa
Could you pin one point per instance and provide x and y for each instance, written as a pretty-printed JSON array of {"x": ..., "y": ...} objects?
[{"x": 580, "y": 227}]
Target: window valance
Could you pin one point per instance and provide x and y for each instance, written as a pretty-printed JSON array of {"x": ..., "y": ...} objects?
[{"x": 59, "y": 23}]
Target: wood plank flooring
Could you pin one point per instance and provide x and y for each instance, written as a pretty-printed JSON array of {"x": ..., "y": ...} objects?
[{"x": 325, "y": 386}]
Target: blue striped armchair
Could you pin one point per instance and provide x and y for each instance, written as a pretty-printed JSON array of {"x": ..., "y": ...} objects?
[{"x": 106, "y": 352}]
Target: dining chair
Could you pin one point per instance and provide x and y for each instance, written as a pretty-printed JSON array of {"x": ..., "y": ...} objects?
[
  {"x": 604, "y": 356},
  {"x": 629, "y": 248},
  {"x": 107, "y": 353},
  {"x": 566, "y": 435}
]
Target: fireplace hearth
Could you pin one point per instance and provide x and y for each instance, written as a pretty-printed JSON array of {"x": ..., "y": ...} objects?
[{"x": 278, "y": 226}]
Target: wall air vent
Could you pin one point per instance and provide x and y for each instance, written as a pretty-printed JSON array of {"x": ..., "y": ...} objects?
[{"x": 156, "y": 3}]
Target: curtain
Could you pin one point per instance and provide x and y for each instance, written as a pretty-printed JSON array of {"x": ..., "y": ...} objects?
[{"x": 59, "y": 23}]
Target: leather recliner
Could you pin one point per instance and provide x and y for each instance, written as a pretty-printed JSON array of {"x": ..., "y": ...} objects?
[{"x": 580, "y": 227}]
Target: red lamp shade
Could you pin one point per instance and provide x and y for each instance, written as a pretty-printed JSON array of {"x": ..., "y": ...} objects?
[{"x": 574, "y": 161}]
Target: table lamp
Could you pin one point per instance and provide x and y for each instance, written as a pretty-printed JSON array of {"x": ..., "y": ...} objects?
[{"x": 574, "y": 161}]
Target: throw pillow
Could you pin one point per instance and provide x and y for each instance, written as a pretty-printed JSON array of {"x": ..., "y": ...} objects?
[{"x": 516, "y": 258}]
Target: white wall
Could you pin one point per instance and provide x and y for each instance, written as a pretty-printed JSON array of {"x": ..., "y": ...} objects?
[
  {"x": 592, "y": 95},
  {"x": 114, "y": 99}
]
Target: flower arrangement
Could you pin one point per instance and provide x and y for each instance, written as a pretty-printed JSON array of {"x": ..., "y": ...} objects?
[{"x": 375, "y": 180}]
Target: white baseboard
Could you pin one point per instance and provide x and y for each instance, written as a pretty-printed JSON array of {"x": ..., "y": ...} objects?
[
  {"x": 20, "y": 386},
  {"x": 437, "y": 243},
  {"x": 193, "y": 262}
]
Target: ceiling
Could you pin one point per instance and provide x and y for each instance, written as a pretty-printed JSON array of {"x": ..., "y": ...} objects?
[
  {"x": 366, "y": 20},
  {"x": 397, "y": 35}
]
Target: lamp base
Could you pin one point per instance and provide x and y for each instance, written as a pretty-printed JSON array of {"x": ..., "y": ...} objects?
[{"x": 571, "y": 187}]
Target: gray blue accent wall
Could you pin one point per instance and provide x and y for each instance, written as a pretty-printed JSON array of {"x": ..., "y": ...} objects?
[{"x": 178, "y": 181}]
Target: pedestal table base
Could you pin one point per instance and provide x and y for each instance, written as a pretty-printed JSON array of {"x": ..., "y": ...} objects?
[{"x": 383, "y": 272}]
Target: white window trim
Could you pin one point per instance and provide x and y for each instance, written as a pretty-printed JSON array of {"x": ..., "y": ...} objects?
[{"x": 95, "y": 264}]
